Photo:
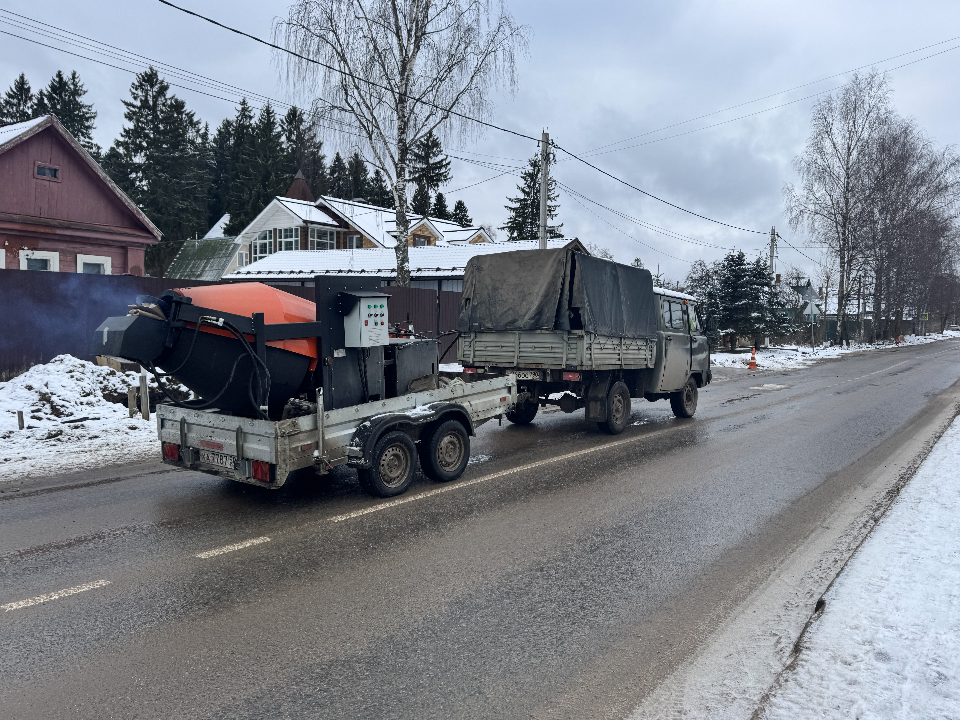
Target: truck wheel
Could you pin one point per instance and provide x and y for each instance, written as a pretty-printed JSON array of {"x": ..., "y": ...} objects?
[
  {"x": 394, "y": 463},
  {"x": 523, "y": 414},
  {"x": 618, "y": 409},
  {"x": 684, "y": 401},
  {"x": 445, "y": 454}
]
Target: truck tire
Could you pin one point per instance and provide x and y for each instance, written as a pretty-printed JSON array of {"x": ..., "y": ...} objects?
[
  {"x": 523, "y": 413},
  {"x": 393, "y": 465},
  {"x": 684, "y": 401},
  {"x": 618, "y": 409},
  {"x": 445, "y": 454}
]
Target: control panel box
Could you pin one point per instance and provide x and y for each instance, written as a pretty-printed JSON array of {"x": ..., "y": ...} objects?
[{"x": 366, "y": 325}]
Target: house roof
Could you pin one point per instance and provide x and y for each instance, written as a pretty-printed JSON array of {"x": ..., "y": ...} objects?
[
  {"x": 205, "y": 259},
  {"x": 429, "y": 261},
  {"x": 217, "y": 230},
  {"x": 299, "y": 189},
  {"x": 13, "y": 135}
]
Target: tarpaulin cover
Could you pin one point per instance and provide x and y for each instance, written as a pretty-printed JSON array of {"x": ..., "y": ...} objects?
[{"x": 556, "y": 290}]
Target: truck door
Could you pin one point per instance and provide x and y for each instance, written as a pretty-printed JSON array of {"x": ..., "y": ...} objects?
[
  {"x": 676, "y": 344},
  {"x": 699, "y": 346}
]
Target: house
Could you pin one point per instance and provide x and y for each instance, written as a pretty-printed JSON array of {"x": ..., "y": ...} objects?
[
  {"x": 436, "y": 267},
  {"x": 59, "y": 210},
  {"x": 208, "y": 258}
]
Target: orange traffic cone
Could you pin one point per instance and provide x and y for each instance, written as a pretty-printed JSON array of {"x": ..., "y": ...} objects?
[{"x": 753, "y": 360}]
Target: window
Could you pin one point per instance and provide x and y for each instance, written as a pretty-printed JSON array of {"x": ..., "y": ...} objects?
[
  {"x": 243, "y": 258},
  {"x": 43, "y": 171},
  {"x": 94, "y": 264},
  {"x": 420, "y": 240},
  {"x": 263, "y": 245},
  {"x": 353, "y": 242},
  {"x": 694, "y": 314},
  {"x": 38, "y": 264},
  {"x": 672, "y": 311},
  {"x": 321, "y": 239},
  {"x": 288, "y": 239},
  {"x": 39, "y": 260}
]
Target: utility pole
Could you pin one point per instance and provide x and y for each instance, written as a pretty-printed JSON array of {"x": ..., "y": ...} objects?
[
  {"x": 544, "y": 156},
  {"x": 773, "y": 247}
]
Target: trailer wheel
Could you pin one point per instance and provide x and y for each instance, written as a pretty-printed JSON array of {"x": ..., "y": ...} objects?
[
  {"x": 618, "y": 409},
  {"x": 394, "y": 464},
  {"x": 684, "y": 401},
  {"x": 523, "y": 413},
  {"x": 445, "y": 454}
]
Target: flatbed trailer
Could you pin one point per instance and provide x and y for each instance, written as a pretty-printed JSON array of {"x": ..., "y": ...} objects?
[{"x": 386, "y": 440}]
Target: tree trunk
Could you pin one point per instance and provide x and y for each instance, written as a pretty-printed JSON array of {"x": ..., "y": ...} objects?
[{"x": 400, "y": 200}]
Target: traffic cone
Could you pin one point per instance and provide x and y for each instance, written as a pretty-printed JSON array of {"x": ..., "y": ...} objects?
[{"x": 753, "y": 360}]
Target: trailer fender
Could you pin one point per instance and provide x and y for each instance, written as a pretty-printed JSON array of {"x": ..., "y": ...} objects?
[{"x": 413, "y": 423}]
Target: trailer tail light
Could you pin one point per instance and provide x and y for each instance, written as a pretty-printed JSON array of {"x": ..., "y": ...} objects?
[
  {"x": 261, "y": 471},
  {"x": 469, "y": 370},
  {"x": 171, "y": 451},
  {"x": 571, "y": 376}
]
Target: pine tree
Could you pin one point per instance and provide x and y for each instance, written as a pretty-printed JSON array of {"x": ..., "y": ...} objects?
[
  {"x": 18, "y": 102},
  {"x": 420, "y": 204},
  {"x": 359, "y": 176},
  {"x": 440, "y": 211},
  {"x": 379, "y": 193},
  {"x": 262, "y": 171},
  {"x": 242, "y": 160},
  {"x": 161, "y": 160},
  {"x": 339, "y": 178},
  {"x": 221, "y": 172},
  {"x": 304, "y": 150},
  {"x": 524, "y": 220},
  {"x": 428, "y": 165},
  {"x": 63, "y": 97},
  {"x": 741, "y": 290},
  {"x": 460, "y": 215}
]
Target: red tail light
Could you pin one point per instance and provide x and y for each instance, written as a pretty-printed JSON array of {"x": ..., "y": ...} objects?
[
  {"x": 571, "y": 376},
  {"x": 261, "y": 471},
  {"x": 469, "y": 370},
  {"x": 171, "y": 451}
]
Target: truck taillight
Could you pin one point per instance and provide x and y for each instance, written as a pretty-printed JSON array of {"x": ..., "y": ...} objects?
[
  {"x": 171, "y": 451},
  {"x": 571, "y": 376},
  {"x": 469, "y": 370},
  {"x": 261, "y": 471}
]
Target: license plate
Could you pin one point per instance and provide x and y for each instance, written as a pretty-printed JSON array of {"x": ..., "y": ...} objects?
[
  {"x": 219, "y": 459},
  {"x": 527, "y": 374}
]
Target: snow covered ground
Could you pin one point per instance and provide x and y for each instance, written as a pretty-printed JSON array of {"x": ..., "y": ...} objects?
[
  {"x": 888, "y": 642},
  {"x": 76, "y": 418},
  {"x": 789, "y": 357}
]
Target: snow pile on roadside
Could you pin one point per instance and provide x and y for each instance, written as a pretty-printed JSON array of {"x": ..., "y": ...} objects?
[
  {"x": 888, "y": 643},
  {"x": 76, "y": 418},
  {"x": 789, "y": 357}
]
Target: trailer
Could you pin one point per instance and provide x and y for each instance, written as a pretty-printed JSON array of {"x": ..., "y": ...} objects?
[{"x": 580, "y": 332}]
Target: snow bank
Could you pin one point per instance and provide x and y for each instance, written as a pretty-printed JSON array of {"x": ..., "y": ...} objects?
[
  {"x": 76, "y": 418},
  {"x": 888, "y": 643},
  {"x": 789, "y": 357}
]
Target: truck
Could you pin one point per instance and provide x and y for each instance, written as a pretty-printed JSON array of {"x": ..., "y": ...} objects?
[
  {"x": 283, "y": 385},
  {"x": 580, "y": 332}
]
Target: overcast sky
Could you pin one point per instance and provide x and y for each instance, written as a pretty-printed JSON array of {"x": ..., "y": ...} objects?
[{"x": 597, "y": 73}]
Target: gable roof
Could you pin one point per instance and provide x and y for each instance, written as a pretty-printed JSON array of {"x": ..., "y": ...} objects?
[
  {"x": 13, "y": 135},
  {"x": 206, "y": 259},
  {"x": 299, "y": 189}
]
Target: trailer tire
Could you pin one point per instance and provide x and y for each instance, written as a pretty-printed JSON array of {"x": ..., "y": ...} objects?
[
  {"x": 393, "y": 466},
  {"x": 523, "y": 413},
  {"x": 618, "y": 409},
  {"x": 684, "y": 401},
  {"x": 445, "y": 454}
]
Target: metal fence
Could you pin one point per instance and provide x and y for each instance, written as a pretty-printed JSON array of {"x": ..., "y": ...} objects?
[{"x": 45, "y": 314}]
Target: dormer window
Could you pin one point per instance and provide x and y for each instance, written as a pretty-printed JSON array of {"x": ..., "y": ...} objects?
[{"x": 43, "y": 171}]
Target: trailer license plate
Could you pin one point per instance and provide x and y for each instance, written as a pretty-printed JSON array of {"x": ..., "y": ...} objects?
[
  {"x": 219, "y": 459},
  {"x": 527, "y": 374}
]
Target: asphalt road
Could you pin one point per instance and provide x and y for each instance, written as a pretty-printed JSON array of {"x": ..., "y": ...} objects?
[{"x": 565, "y": 575}]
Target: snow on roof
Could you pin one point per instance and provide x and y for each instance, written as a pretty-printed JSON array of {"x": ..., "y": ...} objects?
[
  {"x": 8, "y": 132},
  {"x": 307, "y": 211},
  {"x": 672, "y": 293},
  {"x": 429, "y": 261},
  {"x": 217, "y": 230}
]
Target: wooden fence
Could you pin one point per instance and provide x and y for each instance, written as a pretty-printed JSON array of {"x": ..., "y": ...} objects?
[{"x": 45, "y": 314}]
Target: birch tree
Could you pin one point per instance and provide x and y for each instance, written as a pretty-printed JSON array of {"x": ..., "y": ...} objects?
[{"x": 393, "y": 71}]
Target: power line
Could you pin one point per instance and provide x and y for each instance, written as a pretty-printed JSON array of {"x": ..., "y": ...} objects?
[{"x": 801, "y": 252}]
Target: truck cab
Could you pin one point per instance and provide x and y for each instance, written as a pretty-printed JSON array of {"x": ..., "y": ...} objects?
[{"x": 683, "y": 352}]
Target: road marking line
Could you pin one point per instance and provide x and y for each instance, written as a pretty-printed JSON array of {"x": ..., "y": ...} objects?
[
  {"x": 491, "y": 476},
  {"x": 54, "y": 595},
  {"x": 231, "y": 548}
]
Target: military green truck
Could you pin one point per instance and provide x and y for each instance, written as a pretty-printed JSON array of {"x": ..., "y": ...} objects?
[{"x": 580, "y": 332}]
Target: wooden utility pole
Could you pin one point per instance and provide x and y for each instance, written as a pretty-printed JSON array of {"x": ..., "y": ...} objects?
[
  {"x": 544, "y": 156},
  {"x": 773, "y": 247}
]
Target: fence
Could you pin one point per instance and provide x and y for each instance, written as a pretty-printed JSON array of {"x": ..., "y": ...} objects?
[{"x": 45, "y": 314}]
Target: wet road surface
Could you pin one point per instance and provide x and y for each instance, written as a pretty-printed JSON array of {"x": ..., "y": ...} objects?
[{"x": 564, "y": 575}]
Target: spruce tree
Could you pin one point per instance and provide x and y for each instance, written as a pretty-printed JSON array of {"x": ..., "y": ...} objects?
[
  {"x": 420, "y": 204},
  {"x": 63, "y": 97},
  {"x": 339, "y": 178},
  {"x": 428, "y": 165},
  {"x": 440, "y": 211},
  {"x": 359, "y": 176},
  {"x": 523, "y": 222},
  {"x": 742, "y": 289},
  {"x": 304, "y": 150},
  {"x": 460, "y": 215},
  {"x": 242, "y": 162},
  {"x": 221, "y": 172},
  {"x": 262, "y": 171},
  {"x": 379, "y": 193},
  {"x": 18, "y": 102}
]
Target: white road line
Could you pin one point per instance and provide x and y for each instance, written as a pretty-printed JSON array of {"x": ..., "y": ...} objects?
[
  {"x": 54, "y": 595},
  {"x": 231, "y": 548},
  {"x": 491, "y": 476}
]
